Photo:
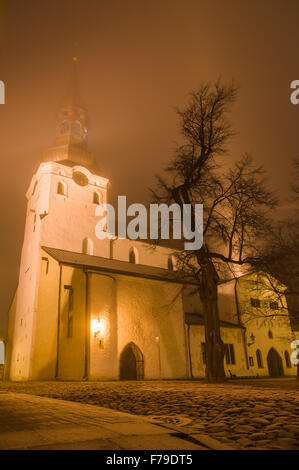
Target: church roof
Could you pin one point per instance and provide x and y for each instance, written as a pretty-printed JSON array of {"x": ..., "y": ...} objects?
[{"x": 114, "y": 266}]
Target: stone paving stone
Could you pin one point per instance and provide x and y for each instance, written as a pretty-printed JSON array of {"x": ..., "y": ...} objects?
[
  {"x": 85, "y": 424},
  {"x": 231, "y": 412}
]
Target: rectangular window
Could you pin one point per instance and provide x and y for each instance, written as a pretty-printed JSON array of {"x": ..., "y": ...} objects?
[
  {"x": 232, "y": 354},
  {"x": 47, "y": 263},
  {"x": 255, "y": 302},
  {"x": 251, "y": 362},
  {"x": 274, "y": 305},
  {"x": 204, "y": 353},
  {"x": 229, "y": 353}
]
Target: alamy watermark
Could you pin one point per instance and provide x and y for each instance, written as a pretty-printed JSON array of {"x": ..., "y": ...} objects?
[
  {"x": 185, "y": 224},
  {"x": 2, "y": 92},
  {"x": 294, "y": 96}
]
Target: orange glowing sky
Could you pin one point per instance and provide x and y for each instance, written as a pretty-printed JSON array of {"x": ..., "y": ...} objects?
[{"x": 138, "y": 61}]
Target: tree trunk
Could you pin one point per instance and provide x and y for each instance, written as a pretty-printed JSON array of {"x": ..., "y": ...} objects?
[
  {"x": 209, "y": 295},
  {"x": 214, "y": 345}
]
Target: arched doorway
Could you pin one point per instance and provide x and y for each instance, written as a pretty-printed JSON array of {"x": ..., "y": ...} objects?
[
  {"x": 131, "y": 363},
  {"x": 274, "y": 363}
]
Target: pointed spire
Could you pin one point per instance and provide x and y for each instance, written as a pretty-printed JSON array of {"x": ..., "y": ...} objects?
[
  {"x": 73, "y": 98},
  {"x": 71, "y": 126}
]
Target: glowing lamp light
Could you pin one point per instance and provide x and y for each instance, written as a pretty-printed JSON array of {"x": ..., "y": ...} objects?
[{"x": 98, "y": 327}]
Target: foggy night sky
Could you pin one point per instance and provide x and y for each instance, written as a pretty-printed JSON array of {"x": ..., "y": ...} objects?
[{"x": 137, "y": 61}]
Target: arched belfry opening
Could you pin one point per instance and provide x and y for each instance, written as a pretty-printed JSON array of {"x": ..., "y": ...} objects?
[
  {"x": 131, "y": 363},
  {"x": 274, "y": 362}
]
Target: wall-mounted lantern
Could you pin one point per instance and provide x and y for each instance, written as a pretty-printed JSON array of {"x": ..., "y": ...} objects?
[
  {"x": 98, "y": 330},
  {"x": 252, "y": 337}
]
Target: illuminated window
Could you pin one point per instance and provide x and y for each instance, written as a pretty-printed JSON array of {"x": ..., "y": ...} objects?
[
  {"x": 287, "y": 359},
  {"x": 229, "y": 353},
  {"x": 255, "y": 302},
  {"x": 259, "y": 359}
]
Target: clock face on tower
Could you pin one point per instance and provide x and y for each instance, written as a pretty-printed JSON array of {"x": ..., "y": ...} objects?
[{"x": 80, "y": 178}]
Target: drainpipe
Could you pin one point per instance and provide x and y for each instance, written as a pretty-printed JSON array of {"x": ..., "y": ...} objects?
[
  {"x": 58, "y": 323},
  {"x": 239, "y": 321},
  {"x": 189, "y": 351}
]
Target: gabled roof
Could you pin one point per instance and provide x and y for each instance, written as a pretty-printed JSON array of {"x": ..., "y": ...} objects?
[
  {"x": 198, "y": 319},
  {"x": 98, "y": 263}
]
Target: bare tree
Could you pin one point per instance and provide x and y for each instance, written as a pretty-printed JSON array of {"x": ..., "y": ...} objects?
[{"x": 235, "y": 199}]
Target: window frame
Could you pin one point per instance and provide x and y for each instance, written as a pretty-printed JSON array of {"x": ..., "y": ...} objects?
[
  {"x": 229, "y": 353},
  {"x": 259, "y": 359},
  {"x": 256, "y": 303}
]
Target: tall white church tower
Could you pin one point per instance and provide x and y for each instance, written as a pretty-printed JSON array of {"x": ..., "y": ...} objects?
[{"x": 61, "y": 203}]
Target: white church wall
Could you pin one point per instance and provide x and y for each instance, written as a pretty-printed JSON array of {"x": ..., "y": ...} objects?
[
  {"x": 102, "y": 292},
  {"x": 27, "y": 288},
  {"x": 71, "y": 216},
  {"x": 147, "y": 254},
  {"x": 44, "y": 351},
  {"x": 150, "y": 314},
  {"x": 72, "y": 332}
]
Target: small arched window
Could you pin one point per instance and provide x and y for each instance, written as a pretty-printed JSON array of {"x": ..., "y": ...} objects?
[
  {"x": 87, "y": 246},
  {"x": 76, "y": 127},
  {"x": 96, "y": 198},
  {"x": 287, "y": 359},
  {"x": 132, "y": 256},
  {"x": 64, "y": 127},
  {"x": 170, "y": 264},
  {"x": 61, "y": 188},
  {"x": 270, "y": 334},
  {"x": 259, "y": 359}
]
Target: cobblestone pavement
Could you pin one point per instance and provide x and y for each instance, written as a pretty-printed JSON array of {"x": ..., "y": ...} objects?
[{"x": 261, "y": 414}]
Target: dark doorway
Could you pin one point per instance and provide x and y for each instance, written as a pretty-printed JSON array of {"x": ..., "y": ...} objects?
[
  {"x": 131, "y": 363},
  {"x": 274, "y": 363}
]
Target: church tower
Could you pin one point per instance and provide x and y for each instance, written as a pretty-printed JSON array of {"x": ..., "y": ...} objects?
[{"x": 61, "y": 203}]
